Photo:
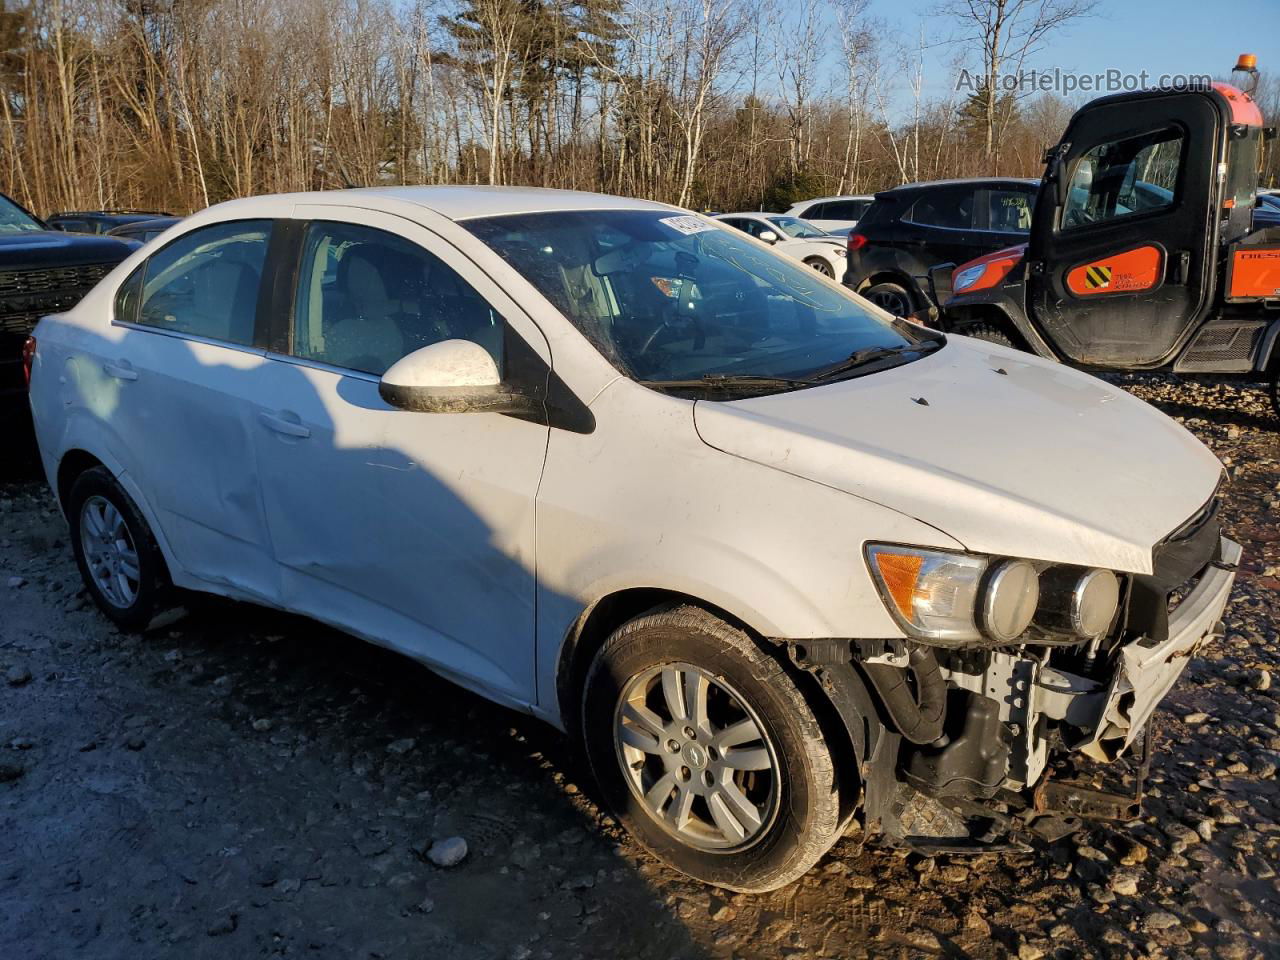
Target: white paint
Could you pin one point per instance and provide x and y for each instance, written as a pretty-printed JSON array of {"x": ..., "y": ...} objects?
[
  {"x": 449, "y": 363},
  {"x": 293, "y": 484}
]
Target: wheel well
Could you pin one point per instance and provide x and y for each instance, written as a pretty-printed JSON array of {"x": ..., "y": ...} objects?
[
  {"x": 884, "y": 276},
  {"x": 597, "y": 622},
  {"x": 73, "y": 463},
  {"x": 595, "y": 625}
]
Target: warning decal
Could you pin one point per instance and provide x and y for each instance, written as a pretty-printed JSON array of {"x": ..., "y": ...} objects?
[
  {"x": 1097, "y": 277},
  {"x": 1132, "y": 271}
]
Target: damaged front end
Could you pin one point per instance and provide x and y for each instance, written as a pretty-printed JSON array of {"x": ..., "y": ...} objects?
[{"x": 957, "y": 745}]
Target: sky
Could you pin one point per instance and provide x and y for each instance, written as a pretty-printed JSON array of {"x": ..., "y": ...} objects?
[{"x": 1159, "y": 36}]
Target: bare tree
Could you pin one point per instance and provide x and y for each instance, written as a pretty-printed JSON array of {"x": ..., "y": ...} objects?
[{"x": 1007, "y": 34}]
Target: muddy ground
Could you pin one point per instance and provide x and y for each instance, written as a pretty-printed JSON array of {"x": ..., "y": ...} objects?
[{"x": 244, "y": 784}]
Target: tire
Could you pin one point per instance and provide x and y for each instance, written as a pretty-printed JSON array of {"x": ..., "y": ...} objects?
[
  {"x": 786, "y": 773},
  {"x": 1275, "y": 392},
  {"x": 988, "y": 332},
  {"x": 821, "y": 266},
  {"x": 892, "y": 297},
  {"x": 108, "y": 533}
]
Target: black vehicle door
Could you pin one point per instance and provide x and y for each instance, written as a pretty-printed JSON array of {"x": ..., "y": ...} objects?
[{"x": 1121, "y": 265}]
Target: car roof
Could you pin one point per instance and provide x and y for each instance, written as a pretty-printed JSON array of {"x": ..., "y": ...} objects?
[
  {"x": 841, "y": 196},
  {"x": 462, "y": 202},
  {"x": 962, "y": 181}
]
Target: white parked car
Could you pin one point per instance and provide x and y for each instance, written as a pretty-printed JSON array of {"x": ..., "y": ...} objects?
[
  {"x": 832, "y": 213},
  {"x": 795, "y": 238},
  {"x": 778, "y": 558}
]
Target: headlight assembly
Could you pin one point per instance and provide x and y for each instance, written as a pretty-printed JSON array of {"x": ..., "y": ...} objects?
[{"x": 954, "y": 598}]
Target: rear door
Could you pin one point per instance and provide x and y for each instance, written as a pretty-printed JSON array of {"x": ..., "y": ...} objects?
[{"x": 1121, "y": 267}]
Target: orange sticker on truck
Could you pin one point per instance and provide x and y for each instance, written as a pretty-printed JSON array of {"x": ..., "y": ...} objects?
[
  {"x": 1255, "y": 273},
  {"x": 1129, "y": 272}
]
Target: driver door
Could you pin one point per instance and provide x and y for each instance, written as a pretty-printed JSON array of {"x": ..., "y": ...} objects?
[{"x": 1120, "y": 249}]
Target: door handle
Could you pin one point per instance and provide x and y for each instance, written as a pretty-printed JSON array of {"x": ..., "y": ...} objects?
[
  {"x": 121, "y": 371},
  {"x": 284, "y": 425}
]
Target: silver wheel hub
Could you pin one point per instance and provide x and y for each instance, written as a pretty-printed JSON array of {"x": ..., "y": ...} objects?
[
  {"x": 697, "y": 757},
  {"x": 109, "y": 551}
]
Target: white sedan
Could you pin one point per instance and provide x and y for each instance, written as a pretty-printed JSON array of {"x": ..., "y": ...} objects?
[
  {"x": 794, "y": 237},
  {"x": 777, "y": 558}
]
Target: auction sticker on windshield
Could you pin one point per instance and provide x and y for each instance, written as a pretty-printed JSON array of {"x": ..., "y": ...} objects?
[{"x": 687, "y": 224}]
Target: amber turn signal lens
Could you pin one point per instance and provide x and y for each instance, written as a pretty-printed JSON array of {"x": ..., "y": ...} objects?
[{"x": 900, "y": 573}]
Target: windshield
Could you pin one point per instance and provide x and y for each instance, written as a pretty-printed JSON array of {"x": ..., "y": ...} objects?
[
  {"x": 13, "y": 219},
  {"x": 797, "y": 228},
  {"x": 665, "y": 296}
]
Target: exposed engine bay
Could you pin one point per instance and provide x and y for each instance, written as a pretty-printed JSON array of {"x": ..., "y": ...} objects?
[{"x": 957, "y": 743}]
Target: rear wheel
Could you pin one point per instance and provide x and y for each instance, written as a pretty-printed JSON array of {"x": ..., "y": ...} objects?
[
  {"x": 708, "y": 752},
  {"x": 892, "y": 297},
  {"x": 119, "y": 559},
  {"x": 821, "y": 266}
]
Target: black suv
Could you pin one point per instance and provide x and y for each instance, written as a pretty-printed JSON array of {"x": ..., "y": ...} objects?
[
  {"x": 41, "y": 271},
  {"x": 99, "y": 221},
  {"x": 911, "y": 228}
]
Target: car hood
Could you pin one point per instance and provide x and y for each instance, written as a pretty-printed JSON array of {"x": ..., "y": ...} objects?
[
  {"x": 55, "y": 248},
  {"x": 1006, "y": 453}
]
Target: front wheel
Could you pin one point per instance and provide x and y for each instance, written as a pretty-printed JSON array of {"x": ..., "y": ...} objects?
[
  {"x": 821, "y": 266},
  {"x": 708, "y": 752},
  {"x": 988, "y": 332}
]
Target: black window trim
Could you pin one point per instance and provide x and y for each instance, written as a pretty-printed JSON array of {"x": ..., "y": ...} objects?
[{"x": 259, "y": 320}]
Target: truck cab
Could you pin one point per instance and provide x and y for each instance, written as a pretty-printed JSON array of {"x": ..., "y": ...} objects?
[{"x": 1143, "y": 252}]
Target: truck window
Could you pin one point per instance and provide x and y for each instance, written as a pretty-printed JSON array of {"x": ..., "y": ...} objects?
[{"x": 1124, "y": 177}]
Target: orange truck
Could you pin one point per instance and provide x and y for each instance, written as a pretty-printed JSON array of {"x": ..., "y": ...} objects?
[{"x": 1144, "y": 252}]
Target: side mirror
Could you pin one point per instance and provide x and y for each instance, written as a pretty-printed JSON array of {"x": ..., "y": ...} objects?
[
  {"x": 768, "y": 236},
  {"x": 452, "y": 376}
]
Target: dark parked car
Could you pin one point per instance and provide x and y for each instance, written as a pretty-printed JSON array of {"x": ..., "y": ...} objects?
[
  {"x": 41, "y": 271},
  {"x": 99, "y": 221},
  {"x": 143, "y": 230},
  {"x": 911, "y": 228}
]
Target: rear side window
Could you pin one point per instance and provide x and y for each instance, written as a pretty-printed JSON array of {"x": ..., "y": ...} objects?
[
  {"x": 204, "y": 284},
  {"x": 367, "y": 297},
  {"x": 951, "y": 209},
  {"x": 1122, "y": 178},
  {"x": 1009, "y": 211}
]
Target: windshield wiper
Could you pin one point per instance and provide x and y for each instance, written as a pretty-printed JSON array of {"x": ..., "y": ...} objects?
[
  {"x": 868, "y": 355},
  {"x": 729, "y": 381}
]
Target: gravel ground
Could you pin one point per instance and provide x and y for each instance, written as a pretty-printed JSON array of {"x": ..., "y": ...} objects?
[{"x": 242, "y": 783}]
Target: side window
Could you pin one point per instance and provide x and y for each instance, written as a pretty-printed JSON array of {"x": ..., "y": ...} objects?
[
  {"x": 1124, "y": 177},
  {"x": 1009, "y": 211},
  {"x": 735, "y": 222},
  {"x": 951, "y": 209},
  {"x": 840, "y": 210},
  {"x": 366, "y": 298},
  {"x": 205, "y": 283},
  {"x": 817, "y": 212}
]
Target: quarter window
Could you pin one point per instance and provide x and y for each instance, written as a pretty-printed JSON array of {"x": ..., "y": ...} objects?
[
  {"x": 366, "y": 298},
  {"x": 205, "y": 283},
  {"x": 1124, "y": 177}
]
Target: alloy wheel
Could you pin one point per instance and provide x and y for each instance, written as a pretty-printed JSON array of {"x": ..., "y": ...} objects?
[
  {"x": 109, "y": 551},
  {"x": 697, "y": 757}
]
